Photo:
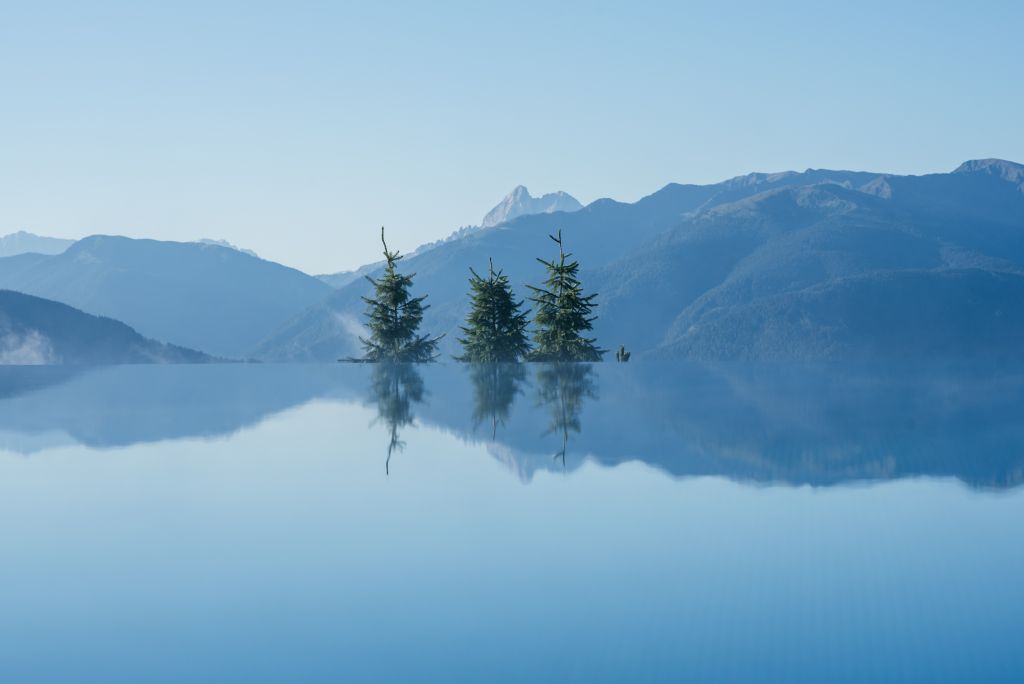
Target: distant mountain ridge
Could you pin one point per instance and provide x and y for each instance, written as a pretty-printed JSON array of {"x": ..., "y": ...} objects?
[
  {"x": 203, "y": 296},
  {"x": 35, "y": 331},
  {"x": 818, "y": 264},
  {"x": 343, "y": 278},
  {"x": 29, "y": 243},
  {"x": 743, "y": 268},
  {"x": 517, "y": 203},
  {"x": 225, "y": 243}
]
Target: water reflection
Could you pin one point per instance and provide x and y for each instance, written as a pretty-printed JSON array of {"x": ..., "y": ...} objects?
[
  {"x": 394, "y": 389},
  {"x": 561, "y": 389},
  {"x": 799, "y": 424},
  {"x": 495, "y": 388}
]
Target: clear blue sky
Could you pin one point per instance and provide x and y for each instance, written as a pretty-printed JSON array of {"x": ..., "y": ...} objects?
[{"x": 297, "y": 129}]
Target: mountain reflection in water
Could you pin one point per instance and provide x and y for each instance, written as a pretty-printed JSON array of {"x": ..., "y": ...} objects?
[{"x": 771, "y": 423}]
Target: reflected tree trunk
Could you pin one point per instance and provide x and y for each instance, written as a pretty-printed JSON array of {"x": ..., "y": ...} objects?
[
  {"x": 563, "y": 387},
  {"x": 394, "y": 389},
  {"x": 495, "y": 388}
]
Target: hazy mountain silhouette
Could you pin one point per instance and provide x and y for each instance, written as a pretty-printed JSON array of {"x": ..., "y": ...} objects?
[
  {"x": 36, "y": 331},
  {"x": 343, "y": 278},
  {"x": 813, "y": 265},
  {"x": 204, "y": 296},
  {"x": 29, "y": 243}
]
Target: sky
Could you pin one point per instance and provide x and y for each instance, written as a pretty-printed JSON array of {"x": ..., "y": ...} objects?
[{"x": 298, "y": 129}]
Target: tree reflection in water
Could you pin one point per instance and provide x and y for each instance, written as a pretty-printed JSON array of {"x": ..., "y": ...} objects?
[
  {"x": 562, "y": 388},
  {"x": 495, "y": 388},
  {"x": 394, "y": 388}
]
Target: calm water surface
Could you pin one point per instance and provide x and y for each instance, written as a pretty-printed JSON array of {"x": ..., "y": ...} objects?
[{"x": 634, "y": 522}]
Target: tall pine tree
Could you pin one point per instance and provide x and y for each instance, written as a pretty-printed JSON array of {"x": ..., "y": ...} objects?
[
  {"x": 495, "y": 330},
  {"x": 563, "y": 313},
  {"x": 394, "y": 317}
]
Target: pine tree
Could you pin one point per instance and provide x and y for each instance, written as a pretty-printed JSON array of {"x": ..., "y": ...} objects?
[
  {"x": 495, "y": 330},
  {"x": 394, "y": 318},
  {"x": 563, "y": 313}
]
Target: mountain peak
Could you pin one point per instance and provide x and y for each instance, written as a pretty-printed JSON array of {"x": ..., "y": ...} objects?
[
  {"x": 229, "y": 245},
  {"x": 1001, "y": 168},
  {"x": 519, "y": 202}
]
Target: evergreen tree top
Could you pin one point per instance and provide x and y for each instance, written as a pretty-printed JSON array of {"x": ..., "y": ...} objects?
[
  {"x": 563, "y": 312},
  {"x": 391, "y": 257},
  {"x": 394, "y": 317},
  {"x": 495, "y": 329}
]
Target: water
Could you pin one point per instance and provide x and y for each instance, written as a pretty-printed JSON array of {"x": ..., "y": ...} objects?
[{"x": 636, "y": 522}]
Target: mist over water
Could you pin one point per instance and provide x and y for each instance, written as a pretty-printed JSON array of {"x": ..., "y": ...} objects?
[{"x": 607, "y": 522}]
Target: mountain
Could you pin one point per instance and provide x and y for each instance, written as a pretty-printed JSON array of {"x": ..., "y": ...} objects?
[
  {"x": 947, "y": 313},
  {"x": 25, "y": 243},
  {"x": 225, "y": 243},
  {"x": 1007, "y": 171},
  {"x": 519, "y": 202},
  {"x": 339, "y": 280},
  {"x": 930, "y": 266},
  {"x": 516, "y": 203},
  {"x": 851, "y": 264},
  {"x": 202, "y": 296},
  {"x": 36, "y": 331}
]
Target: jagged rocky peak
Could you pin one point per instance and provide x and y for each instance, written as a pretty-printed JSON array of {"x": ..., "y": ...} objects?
[
  {"x": 879, "y": 187},
  {"x": 519, "y": 202},
  {"x": 754, "y": 179}
]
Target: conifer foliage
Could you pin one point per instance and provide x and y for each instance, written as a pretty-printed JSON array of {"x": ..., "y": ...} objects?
[
  {"x": 394, "y": 317},
  {"x": 495, "y": 330},
  {"x": 563, "y": 314}
]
